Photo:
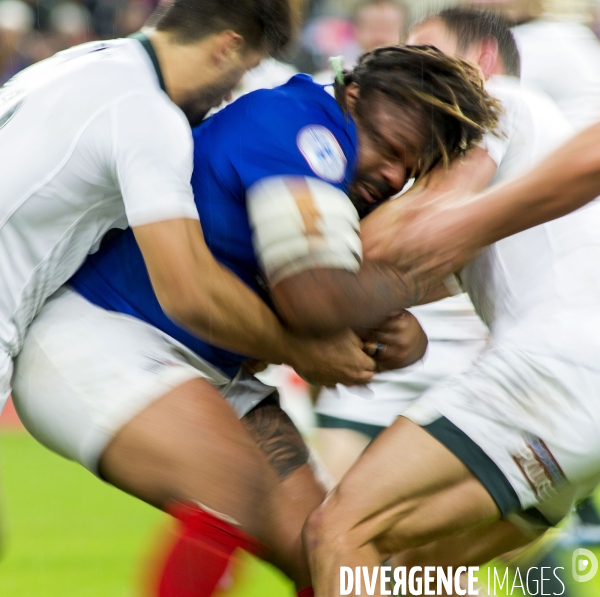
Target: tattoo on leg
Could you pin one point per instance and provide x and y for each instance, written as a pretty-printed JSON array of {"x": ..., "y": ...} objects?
[{"x": 277, "y": 437}]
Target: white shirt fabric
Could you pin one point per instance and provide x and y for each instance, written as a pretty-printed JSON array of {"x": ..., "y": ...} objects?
[
  {"x": 505, "y": 282},
  {"x": 531, "y": 402},
  {"x": 540, "y": 288},
  {"x": 88, "y": 142},
  {"x": 562, "y": 60},
  {"x": 268, "y": 74}
]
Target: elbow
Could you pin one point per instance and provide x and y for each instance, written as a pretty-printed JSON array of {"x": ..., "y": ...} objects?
[
  {"x": 314, "y": 317},
  {"x": 318, "y": 302},
  {"x": 309, "y": 322},
  {"x": 418, "y": 351}
]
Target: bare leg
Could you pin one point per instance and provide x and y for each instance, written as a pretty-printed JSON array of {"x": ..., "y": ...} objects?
[
  {"x": 189, "y": 445},
  {"x": 378, "y": 509},
  {"x": 297, "y": 492},
  {"x": 340, "y": 449},
  {"x": 473, "y": 548}
]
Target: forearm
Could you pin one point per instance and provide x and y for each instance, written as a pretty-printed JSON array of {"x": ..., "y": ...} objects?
[
  {"x": 215, "y": 305},
  {"x": 564, "y": 182},
  {"x": 326, "y": 301},
  {"x": 233, "y": 317},
  {"x": 240, "y": 321},
  {"x": 440, "y": 291},
  {"x": 206, "y": 298}
]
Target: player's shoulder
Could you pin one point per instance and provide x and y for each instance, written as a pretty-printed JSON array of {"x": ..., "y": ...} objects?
[
  {"x": 282, "y": 112},
  {"x": 508, "y": 90},
  {"x": 294, "y": 129},
  {"x": 520, "y": 100},
  {"x": 100, "y": 70}
]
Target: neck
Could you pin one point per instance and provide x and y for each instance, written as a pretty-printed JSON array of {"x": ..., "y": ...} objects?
[{"x": 184, "y": 66}]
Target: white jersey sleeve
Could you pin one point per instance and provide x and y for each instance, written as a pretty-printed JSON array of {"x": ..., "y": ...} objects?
[
  {"x": 153, "y": 159},
  {"x": 496, "y": 142}
]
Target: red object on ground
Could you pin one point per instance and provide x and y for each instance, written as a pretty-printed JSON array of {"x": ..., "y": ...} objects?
[
  {"x": 202, "y": 553},
  {"x": 9, "y": 418},
  {"x": 307, "y": 592}
]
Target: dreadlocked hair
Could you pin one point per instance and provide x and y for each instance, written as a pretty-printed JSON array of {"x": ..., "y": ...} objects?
[{"x": 447, "y": 92}]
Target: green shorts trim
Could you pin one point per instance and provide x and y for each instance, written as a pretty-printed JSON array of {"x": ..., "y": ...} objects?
[
  {"x": 478, "y": 462},
  {"x": 328, "y": 422}
]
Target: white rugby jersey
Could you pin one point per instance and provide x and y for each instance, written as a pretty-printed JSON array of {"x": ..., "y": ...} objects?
[
  {"x": 540, "y": 287},
  {"x": 88, "y": 141},
  {"x": 562, "y": 60}
]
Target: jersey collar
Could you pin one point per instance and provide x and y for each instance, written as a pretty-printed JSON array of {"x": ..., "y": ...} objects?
[{"x": 147, "y": 45}]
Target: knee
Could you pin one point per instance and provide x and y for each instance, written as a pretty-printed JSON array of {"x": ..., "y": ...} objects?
[
  {"x": 343, "y": 522},
  {"x": 328, "y": 524}
]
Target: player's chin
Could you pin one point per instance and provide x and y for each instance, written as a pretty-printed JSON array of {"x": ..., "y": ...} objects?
[{"x": 195, "y": 113}]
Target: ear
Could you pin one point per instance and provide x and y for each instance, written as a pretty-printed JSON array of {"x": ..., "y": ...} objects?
[
  {"x": 489, "y": 57},
  {"x": 227, "y": 46},
  {"x": 352, "y": 94}
]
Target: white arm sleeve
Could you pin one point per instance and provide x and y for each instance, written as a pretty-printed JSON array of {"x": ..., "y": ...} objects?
[
  {"x": 302, "y": 223},
  {"x": 153, "y": 159}
]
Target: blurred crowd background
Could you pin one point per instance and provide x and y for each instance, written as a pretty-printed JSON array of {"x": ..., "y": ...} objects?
[{"x": 31, "y": 30}]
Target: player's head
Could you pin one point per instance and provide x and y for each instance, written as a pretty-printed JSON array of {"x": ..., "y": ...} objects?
[
  {"x": 215, "y": 42},
  {"x": 522, "y": 11},
  {"x": 481, "y": 37},
  {"x": 414, "y": 107},
  {"x": 379, "y": 23}
]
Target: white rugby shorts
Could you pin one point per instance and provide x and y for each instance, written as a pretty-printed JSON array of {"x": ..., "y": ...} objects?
[
  {"x": 526, "y": 425},
  {"x": 390, "y": 393},
  {"x": 84, "y": 372}
]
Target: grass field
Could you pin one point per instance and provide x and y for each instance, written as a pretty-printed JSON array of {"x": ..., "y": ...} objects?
[{"x": 66, "y": 534}]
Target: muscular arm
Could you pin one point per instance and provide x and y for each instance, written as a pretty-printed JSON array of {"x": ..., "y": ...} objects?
[
  {"x": 440, "y": 241},
  {"x": 564, "y": 182},
  {"x": 195, "y": 290},
  {"x": 306, "y": 235},
  {"x": 205, "y": 297},
  {"x": 324, "y": 301},
  {"x": 386, "y": 232}
]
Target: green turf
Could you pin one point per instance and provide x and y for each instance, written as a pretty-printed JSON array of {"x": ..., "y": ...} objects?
[{"x": 67, "y": 534}]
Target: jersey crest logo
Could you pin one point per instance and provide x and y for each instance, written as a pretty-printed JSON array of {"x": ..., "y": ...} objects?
[
  {"x": 540, "y": 468},
  {"x": 322, "y": 152}
]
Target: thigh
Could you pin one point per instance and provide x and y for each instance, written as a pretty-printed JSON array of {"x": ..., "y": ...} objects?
[
  {"x": 190, "y": 445},
  {"x": 534, "y": 418},
  {"x": 297, "y": 491},
  {"x": 407, "y": 489},
  {"x": 84, "y": 372},
  {"x": 473, "y": 548}
]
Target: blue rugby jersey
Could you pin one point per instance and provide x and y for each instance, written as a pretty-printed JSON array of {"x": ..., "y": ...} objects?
[{"x": 297, "y": 129}]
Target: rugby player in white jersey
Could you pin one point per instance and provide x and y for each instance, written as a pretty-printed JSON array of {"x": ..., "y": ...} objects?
[
  {"x": 510, "y": 445},
  {"x": 99, "y": 137},
  {"x": 559, "y": 54}
]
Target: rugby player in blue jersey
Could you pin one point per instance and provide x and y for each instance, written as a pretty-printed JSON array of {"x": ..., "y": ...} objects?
[{"x": 107, "y": 379}]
